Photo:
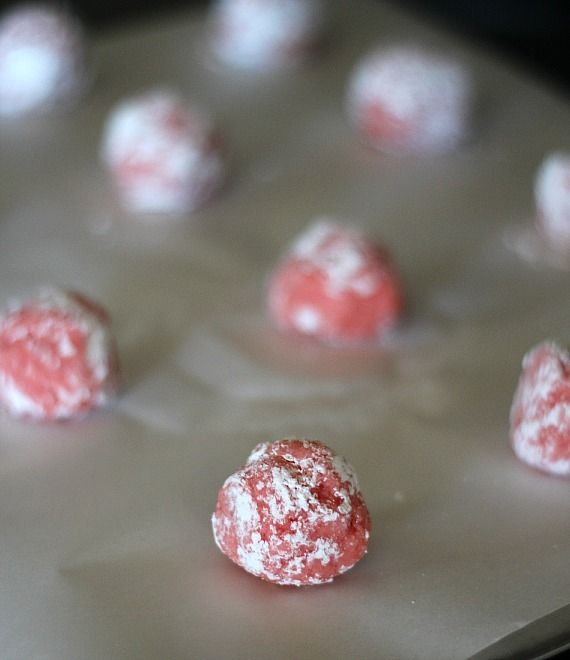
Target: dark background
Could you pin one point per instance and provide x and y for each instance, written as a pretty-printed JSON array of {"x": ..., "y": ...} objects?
[{"x": 533, "y": 34}]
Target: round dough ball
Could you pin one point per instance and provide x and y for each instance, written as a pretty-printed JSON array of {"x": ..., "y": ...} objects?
[
  {"x": 407, "y": 100},
  {"x": 552, "y": 193},
  {"x": 265, "y": 35},
  {"x": 293, "y": 515},
  {"x": 540, "y": 414},
  {"x": 335, "y": 286},
  {"x": 57, "y": 357},
  {"x": 42, "y": 60},
  {"x": 164, "y": 157}
]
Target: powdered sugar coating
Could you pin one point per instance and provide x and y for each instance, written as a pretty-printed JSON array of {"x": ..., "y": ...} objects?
[
  {"x": 164, "y": 157},
  {"x": 540, "y": 414},
  {"x": 405, "y": 99},
  {"x": 42, "y": 60},
  {"x": 552, "y": 193},
  {"x": 293, "y": 515},
  {"x": 264, "y": 34},
  {"x": 57, "y": 357},
  {"x": 335, "y": 285}
]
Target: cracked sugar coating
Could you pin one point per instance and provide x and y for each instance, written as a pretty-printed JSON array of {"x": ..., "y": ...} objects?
[
  {"x": 293, "y": 515},
  {"x": 57, "y": 357},
  {"x": 42, "y": 60},
  {"x": 407, "y": 100},
  {"x": 164, "y": 157},
  {"x": 335, "y": 286},
  {"x": 265, "y": 34},
  {"x": 552, "y": 194},
  {"x": 540, "y": 414}
]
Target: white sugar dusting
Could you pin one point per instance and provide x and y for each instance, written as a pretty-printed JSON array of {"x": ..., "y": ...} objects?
[
  {"x": 16, "y": 401},
  {"x": 70, "y": 394},
  {"x": 289, "y": 495},
  {"x": 324, "y": 551},
  {"x": 345, "y": 472},
  {"x": 542, "y": 456},
  {"x": 246, "y": 519},
  {"x": 251, "y": 555},
  {"x": 264, "y": 34},
  {"x": 162, "y": 154},
  {"x": 552, "y": 193},
  {"x": 341, "y": 254},
  {"x": 41, "y": 60},
  {"x": 99, "y": 346},
  {"x": 258, "y": 452},
  {"x": 428, "y": 92},
  {"x": 280, "y": 545},
  {"x": 529, "y": 419},
  {"x": 307, "y": 319}
]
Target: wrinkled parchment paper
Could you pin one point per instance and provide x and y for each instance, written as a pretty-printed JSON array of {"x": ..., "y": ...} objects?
[{"x": 105, "y": 543}]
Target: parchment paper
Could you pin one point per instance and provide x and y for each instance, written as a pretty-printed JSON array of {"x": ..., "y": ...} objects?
[{"x": 105, "y": 542}]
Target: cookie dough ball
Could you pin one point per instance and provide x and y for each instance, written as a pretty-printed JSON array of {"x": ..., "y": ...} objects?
[
  {"x": 57, "y": 357},
  {"x": 336, "y": 286},
  {"x": 42, "y": 62},
  {"x": 552, "y": 193},
  {"x": 407, "y": 100},
  {"x": 294, "y": 515},
  {"x": 164, "y": 157},
  {"x": 540, "y": 414},
  {"x": 265, "y": 34}
]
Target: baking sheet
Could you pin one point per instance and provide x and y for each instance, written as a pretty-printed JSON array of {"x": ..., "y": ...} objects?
[{"x": 105, "y": 542}]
